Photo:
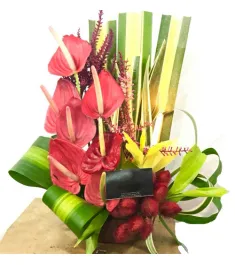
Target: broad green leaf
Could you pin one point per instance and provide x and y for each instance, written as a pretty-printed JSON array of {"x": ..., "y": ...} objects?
[
  {"x": 33, "y": 168},
  {"x": 91, "y": 28},
  {"x": 91, "y": 243},
  {"x": 113, "y": 26},
  {"x": 155, "y": 79},
  {"x": 189, "y": 169},
  {"x": 75, "y": 212},
  {"x": 201, "y": 192},
  {"x": 146, "y": 105},
  {"x": 175, "y": 77},
  {"x": 132, "y": 147}
]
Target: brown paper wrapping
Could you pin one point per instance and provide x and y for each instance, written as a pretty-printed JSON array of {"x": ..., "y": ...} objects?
[{"x": 39, "y": 231}]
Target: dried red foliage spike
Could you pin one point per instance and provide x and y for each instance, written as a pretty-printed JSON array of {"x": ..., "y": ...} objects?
[
  {"x": 136, "y": 223},
  {"x": 70, "y": 157},
  {"x": 93, "y": 161},
  {"x": 169, "y": 209},
  {"x": 111, "y": 93},
  {"x": 147, "y": 229},
  {"x": 149, "y": 207},
  {"x": 160, "y": 192},
  {"x": 79, "y": 51},
  {"x": 97, "y": 30},
  {"x": 122, "y": 233},
  {"x": 83, "y": 127}
]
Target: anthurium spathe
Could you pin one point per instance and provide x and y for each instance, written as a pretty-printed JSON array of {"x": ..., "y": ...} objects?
[
  {"x": 93, "y": 161},
  {"x": 73, "y": 125},
  {"x": 70, "y": 57},
  {"x": 64, "y": 91},
  {"x": 154, "y": 158},
  {"x": 112, "y": 97},
  {"x": 65, "y": 165}
]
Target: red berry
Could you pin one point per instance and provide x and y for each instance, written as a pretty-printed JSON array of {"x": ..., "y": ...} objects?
[
  {"x": 147, "y": 229},
  {"x": 122, "y": 233},
  {"x": 163, "y": 177},
  {"x": 136, "y": 223},
  {"x": 119, "y": 212},
  {"x": 128, "y": 203},
  {"x": 160, "y": 192},
  {"x": 169, "y": 209},
  {"x": 149, "y": 207}
]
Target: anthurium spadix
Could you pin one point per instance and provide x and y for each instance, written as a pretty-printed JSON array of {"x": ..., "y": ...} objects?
[
  {"x": 64, "y": 91},
  {"x": 154, "y": 158}
]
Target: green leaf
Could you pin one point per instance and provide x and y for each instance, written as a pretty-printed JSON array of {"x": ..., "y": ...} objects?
[
  {"x": 150, "y": 244},
  {"x": 33, "y": 168},
  {"x": 91, "y": 243},
  {"x": 189, "y": 170},
  {"x": 201, "y": 192},
  {"x": 75, "y": 212}
]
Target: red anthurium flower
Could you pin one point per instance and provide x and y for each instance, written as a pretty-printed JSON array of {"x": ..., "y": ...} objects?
[
  {"x": 73, "y": 125},
  {"x": 112, "y": 204},
  {"x": 93, "y": 161},
  {"x": 78, "y": 49},
  {"x": 92, "y": 190},
  {"x": 112, "y": 95},
  {"x": 63, "y": 92},
  {"x": 65, "y": 165}
]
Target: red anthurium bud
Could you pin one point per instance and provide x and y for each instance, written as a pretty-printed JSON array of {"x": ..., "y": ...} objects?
[
  {"x": 73, "y": 125},
  {"x": 78, "y": 49},
  {"x": 93, "y": 161},
  {"x": 149, "y": 207},
  {"x": 147, "y": 229},
  {"x": 122, "y": 233},
  {"x": 136, "y": 223},
  {"x": 169, "y": 209},
  {"x": 130, "y": 203},
  {"x": 64, "y": 91},
  {"x": 92, "y": 190},
  {"x": 163, "y": 176},
  {"x": 112, "y": 96},
  {"x": 65, "y": 165},
  {"x": 112, "y": 204},
  {"x": 160, "y": 191}
]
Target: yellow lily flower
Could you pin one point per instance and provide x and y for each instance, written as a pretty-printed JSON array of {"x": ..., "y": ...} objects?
[{"x": 154, "y": 158}]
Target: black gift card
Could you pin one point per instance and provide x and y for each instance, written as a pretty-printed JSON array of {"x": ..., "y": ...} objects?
[{"x": 129, "y": 183}]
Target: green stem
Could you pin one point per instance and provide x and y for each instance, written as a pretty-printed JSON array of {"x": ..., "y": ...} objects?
[
  {"x": 172, "y": 233},
  {"x": 77, "y": 83},
  {"x": 175, "y": 172}
]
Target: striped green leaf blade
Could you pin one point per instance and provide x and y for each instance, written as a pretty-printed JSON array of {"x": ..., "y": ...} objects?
[
  {"x": 91, "y": 28},
  {"x": 75, "y": 212},
  {"x": 33, "y": 168},
  {"x": 175, "y": 77}
]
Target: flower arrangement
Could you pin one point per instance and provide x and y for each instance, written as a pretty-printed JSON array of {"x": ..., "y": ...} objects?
[{"x": 110, "y": 119}]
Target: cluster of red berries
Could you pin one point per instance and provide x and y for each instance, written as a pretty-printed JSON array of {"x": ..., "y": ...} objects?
[{"x": 142, "y": 211}]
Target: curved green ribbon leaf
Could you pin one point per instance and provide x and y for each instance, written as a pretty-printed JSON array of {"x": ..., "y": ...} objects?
[
  {"x": 33, "y": 168},
  {"x": 150, "y": 244}
]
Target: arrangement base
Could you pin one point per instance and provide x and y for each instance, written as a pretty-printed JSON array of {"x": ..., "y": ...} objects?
[{"x": 39, "y": 231}]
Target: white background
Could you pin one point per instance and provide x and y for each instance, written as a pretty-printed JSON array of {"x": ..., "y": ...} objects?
[{"x": 206, "y": 90}]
